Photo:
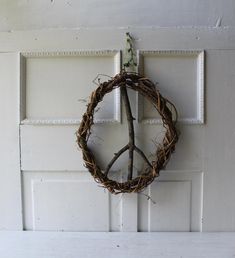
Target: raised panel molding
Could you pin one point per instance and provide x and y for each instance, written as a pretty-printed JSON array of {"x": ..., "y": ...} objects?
[
  {"x": 171, "y": 209},
  {"x": 70, "y": 53},
  {"x": 60, "y": 119},
  {"x": 192, "y": 85},
  {"x": 68, "y": 201},
  {"x": 69, "y": 205},
  {"x": 174, "y": 203}
]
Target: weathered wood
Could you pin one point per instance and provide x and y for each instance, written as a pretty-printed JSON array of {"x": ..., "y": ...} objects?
[
  {"x": 116, "y": 156},
  {"x": 130, "y": 120},
  {"x": 115, "y": 245}
]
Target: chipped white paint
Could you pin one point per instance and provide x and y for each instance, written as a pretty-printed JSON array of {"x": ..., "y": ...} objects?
[
  {"x": 30, "y": 15},
  {"x": 147, "y": 39},
  {"x": 218, "y": 22}
]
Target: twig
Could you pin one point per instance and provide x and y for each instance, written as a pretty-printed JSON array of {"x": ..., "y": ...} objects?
[
  {"x": 144, "y": 86},
  {"x": 116, "y": 156},
  {"x": 140, "y": 152},
  {"x": 148, "y": 197},
  {"x": 97, "y": 78},
  {"x": 130, "y": 129}
]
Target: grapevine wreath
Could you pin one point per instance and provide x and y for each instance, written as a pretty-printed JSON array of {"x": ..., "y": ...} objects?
[{"x": 134, "y": 81}]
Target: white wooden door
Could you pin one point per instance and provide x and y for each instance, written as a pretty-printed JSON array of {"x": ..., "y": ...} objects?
[{"x": 45, "y": 81}]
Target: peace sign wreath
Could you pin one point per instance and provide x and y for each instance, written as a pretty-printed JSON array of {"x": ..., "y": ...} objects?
[{"x": 126, "y": 80}]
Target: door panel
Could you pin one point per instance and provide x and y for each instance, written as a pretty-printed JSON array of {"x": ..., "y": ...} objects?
[
  {"x": 194, "y": 193},
  {"x": 182, "y": 211},
  {"x": 53, "y": 172},
  {"x": 56, "y": 86},
  {"x": 179, "y": 74},
  {"x": 64, "y": 201}
]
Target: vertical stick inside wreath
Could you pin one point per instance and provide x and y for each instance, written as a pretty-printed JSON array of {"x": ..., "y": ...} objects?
[
  {"x": 129, "y": 65},
  {"x": 129, "y": 78}
]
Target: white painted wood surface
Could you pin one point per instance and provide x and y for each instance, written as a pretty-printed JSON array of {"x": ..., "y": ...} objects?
[
  {"x": 10, "y": 178},
  {"x": 182, "y": 211},
  {"x": 63, "y": 77},
  {"x": 41, "y": 15},
  {"x": 196, "y": 189},
  {"x": 78, "y": 207},
  {"x": 42, "y": 153},
  {"x": 109, "y": 38},
  {"x": 177, "y": 73},
  {"x": 116, "y": 245},
  {"x": 220, "y": 142}
]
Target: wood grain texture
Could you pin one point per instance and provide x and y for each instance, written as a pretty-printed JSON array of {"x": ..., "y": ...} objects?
[
  {"x": 10, "y": 187},
  {"x": 219, "y": 181},
  {"x": 73, "y": 14},
  {"x": 148, "y": 38},
  {"x": 116, "y": 245}
]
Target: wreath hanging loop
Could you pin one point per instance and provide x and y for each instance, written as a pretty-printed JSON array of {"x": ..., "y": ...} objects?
[{"x": 129, "y": 80}]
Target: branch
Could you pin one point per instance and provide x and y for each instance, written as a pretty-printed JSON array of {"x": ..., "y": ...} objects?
[
  {"x": 140, "y": 152},
  {"x": 116, "y": 156},
  {"x": 130, "y": 129}
]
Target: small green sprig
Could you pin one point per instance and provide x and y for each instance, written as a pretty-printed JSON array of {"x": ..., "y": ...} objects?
[{"x": 130, "y": 56}]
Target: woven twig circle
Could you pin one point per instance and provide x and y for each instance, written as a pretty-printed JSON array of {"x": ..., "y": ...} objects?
[{"x": 164, "y": 107}]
